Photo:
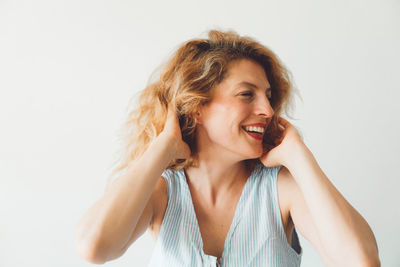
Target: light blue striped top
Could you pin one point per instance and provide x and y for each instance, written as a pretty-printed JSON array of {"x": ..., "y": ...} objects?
[{"x": 256, "y": 236}]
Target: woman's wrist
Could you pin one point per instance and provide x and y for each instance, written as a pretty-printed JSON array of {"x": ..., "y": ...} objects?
[
  {"x": 299, "y": 155},
  {"x": 170, "y": 143}
]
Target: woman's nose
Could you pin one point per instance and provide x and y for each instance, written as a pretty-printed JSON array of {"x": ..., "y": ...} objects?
[{"x": 264, "y": 107}]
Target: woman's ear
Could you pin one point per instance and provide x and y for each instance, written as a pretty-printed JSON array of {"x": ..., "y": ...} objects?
[{"x": 197, "y": 117}]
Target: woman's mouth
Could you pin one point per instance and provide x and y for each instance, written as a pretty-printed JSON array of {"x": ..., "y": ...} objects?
[{"x": 255, "y": 132}]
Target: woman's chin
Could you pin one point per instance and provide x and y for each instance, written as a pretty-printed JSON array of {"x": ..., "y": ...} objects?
[{"x": 255, "y": 155}]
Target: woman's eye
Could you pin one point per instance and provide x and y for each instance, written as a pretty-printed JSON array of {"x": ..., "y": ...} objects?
[
  {"x": 250, "y": 94},
  {"x": 247, "y": 94}
]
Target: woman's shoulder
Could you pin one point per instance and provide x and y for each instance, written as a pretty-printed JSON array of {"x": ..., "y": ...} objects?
[
  {"x": 285, "y": 192},
  {"x": 159, "y": 200}
]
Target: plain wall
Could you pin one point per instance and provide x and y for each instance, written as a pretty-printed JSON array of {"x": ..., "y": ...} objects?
[{"x": 69, "y": 68}]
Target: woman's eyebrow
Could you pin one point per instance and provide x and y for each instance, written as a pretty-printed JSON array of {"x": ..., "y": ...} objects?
[{"x": 252, "y": 85}]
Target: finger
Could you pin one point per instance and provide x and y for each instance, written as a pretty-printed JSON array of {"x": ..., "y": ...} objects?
[{"x": 284, "y": 122}]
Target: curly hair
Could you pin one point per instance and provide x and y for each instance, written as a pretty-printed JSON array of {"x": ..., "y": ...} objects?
[{"x": 186, "y": 81}]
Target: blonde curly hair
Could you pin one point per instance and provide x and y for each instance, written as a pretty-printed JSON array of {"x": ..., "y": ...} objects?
[{"x": 186, "y": 81}]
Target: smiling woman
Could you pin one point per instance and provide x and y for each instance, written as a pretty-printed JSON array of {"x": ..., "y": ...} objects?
[{"x": 215, "y": 173}]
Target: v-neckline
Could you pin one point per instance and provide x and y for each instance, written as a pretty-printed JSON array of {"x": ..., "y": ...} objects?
[{"x": 235, "y": 220}]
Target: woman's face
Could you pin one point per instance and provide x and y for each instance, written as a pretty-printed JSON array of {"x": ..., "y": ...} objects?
[{"x": 240, "y": 100}]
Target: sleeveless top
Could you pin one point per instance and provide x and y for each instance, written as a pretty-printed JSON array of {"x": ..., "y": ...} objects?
[{"x": 256, "y": 236}]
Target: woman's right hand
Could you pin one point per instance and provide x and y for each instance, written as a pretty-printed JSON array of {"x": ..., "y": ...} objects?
[{"x": 173, "y": 132}]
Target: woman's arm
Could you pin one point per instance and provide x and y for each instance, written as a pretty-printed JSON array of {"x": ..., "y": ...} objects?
[
  {"x": 343, "y": 234},
  {"x": 106, "y": 227},
  {"x": 317, "y": 208}
]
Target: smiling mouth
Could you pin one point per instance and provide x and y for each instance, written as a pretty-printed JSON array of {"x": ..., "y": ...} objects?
[{"x": 254, "y": 134}]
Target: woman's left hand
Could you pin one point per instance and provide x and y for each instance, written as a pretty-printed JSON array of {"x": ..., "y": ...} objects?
[{"x": 280, "y": 154}]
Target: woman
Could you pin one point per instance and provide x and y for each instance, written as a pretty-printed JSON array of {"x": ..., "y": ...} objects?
[{"x": 215, "y": 173}]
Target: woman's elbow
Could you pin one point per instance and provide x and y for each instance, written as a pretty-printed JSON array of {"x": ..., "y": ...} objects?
[
  {"x": 370, "y": 261},
  {"x": 90, "y": 254},
  {"x": 373, "y": 262},
  {"x": 87, "y": 250}
]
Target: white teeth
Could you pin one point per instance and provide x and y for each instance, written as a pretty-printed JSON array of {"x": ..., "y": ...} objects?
[{"x": 254, "y": 129}]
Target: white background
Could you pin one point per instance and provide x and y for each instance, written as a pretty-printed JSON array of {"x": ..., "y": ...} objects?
[{"x": 69, "y": 68}]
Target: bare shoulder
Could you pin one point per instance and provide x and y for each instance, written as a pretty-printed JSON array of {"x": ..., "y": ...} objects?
[
  {"x": 286, "y": 184},
  {"x": 159, "y": 199},
  {"x": 286, "y": 187}
]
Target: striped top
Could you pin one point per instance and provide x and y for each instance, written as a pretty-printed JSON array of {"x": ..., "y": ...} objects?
[{"x": 256, "y": 236}]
